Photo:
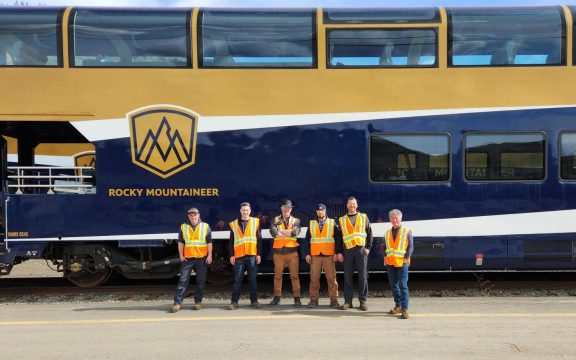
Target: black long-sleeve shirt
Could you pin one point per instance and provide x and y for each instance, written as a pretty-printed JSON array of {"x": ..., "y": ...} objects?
[
  {"x": 339, "y": 238},
  {"x": 243, "y": 224}
]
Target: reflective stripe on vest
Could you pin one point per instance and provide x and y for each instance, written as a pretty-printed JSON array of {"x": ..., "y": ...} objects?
[
  {"x": 195, "y": 245},
  {"x": 396, "y": 248},
  {"x": 322, "y": 242},
  {"x": 245, "y": 242},
  {"x": 280, "y": 242},
  {"x": 353, "y": 235}
]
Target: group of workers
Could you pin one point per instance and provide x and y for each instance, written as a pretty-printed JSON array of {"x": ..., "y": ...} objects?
[{"x": 348, "y": 240}]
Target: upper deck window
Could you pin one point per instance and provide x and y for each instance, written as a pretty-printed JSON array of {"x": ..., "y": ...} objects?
[
  {"x": 382, "y": 48},
  {"x": 381, "y": 16},
  {"x": 257, "y": 39},
  {"x": 30, "y": 37},
  {"x": 129, "y": 38},
  {"x": 506, "y": 37}
]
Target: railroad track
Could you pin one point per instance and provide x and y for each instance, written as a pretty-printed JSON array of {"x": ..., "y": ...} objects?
[{"x": 427, "y": 284}]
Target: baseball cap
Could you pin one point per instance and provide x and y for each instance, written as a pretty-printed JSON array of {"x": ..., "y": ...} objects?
[
  {"x": 193, "y": 210},
  {"x": 286, "y": 203},
  {"x": 320, "y": 206}
]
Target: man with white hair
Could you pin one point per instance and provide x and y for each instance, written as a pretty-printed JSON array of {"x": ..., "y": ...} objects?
[{"x": 399, "y": 248}]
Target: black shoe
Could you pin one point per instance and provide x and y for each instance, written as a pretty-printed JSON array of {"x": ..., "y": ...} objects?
[
  {"x": 297, "y": 302},
  {"x": 334, "y": 304},
  {"x": 313, "y": 303},
  {"x": 275, "y": 301},
  {"x": 255, "y": 304}
]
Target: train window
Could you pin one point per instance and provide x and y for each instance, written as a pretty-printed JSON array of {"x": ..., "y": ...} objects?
[
  {"x": 568, "y": 156},
  {"x": 130, "y": 38},
  {"x": 505, "y": 156},
  {"x": 573, "y": 11},
  {"x": 382, "y": 48},
  {"x": 506, "y": 37},
  {"x": 30, "y": 37},
  {"x": 409, "y": 157},
  {"x": 381, "y": 16},
  {"x": 257, "y": 39}
]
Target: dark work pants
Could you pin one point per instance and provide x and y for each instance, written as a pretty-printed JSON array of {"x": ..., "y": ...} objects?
[
  {"x": 355, "y": 259},
  {"x": 201, "y": 269},
  {"x": 247, "y": 263}
]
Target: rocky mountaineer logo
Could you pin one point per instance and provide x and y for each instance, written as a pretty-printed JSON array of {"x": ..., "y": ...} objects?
[{"x": 163, "y": 138}]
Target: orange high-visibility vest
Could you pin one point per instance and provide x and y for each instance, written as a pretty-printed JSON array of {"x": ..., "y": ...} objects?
[
  {"x": 280, "y": 242},
  {"x": 195, "y": 245},
  {"x": 396, "y": 248},
  {"x": 245, "y": 243},
  {"x": 354, "y": 235},
  {"x": 322, "y": 242}
]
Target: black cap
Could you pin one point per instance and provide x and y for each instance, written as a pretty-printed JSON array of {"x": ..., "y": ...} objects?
[
  {"x": 245, "y": 203},
  {"x": 320, "y": 207},
  {"x": 193, "y": 210},
  {"x": 286, "y": 202}
]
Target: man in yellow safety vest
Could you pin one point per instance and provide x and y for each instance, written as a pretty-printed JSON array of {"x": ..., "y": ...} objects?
[
  {"x": 195, "y": 250},
  {"x": 399, "y": 247}
]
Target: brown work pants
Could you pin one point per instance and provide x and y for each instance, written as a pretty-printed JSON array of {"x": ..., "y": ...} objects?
[
  {"x": 317, "y": 264},
  {"x": 280, "y": 262}
]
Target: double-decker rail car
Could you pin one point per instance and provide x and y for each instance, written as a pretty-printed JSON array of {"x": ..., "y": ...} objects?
[{"x": 462, "y": 118}]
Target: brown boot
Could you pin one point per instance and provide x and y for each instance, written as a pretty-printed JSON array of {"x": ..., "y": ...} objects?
[
  {"x": 275, "y": 301},
  {"x": 404, "y": 314},
  {"x": 363, "y": 306},
  {"x": 297, "y": 302},
  {"x": 397, "y": 310},
  {"x": 345, "y": 306},
  {"x": 175, "y": 308},
  {"x": 313, "y": 303},
  {"x": 197, "y": 306}
]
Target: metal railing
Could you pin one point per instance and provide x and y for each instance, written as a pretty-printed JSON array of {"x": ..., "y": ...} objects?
[{"x": 51, "y": 178}]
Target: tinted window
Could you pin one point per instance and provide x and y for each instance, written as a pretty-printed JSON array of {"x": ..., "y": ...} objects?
[
  {"x": 568, "y": 156},
  {"x": 30, "y": 37},
  {"x": 382, "y": 48},
  {"x": 236, "y": 39},
  {"x": 484, "y": 37},
  {"x": 381, "y": 16},
  {"x": 504, "y": 157},
  {"x": 405, "y": 157},
  {"x": 130, "y": 38}
]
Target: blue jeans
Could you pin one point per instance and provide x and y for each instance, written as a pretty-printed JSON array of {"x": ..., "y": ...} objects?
[
  {"x": 201, "y": 269},
  {"x": 355, "y": 259},
  {"x": 247, "y": 263},
  {"x": 398, "y": 279}
]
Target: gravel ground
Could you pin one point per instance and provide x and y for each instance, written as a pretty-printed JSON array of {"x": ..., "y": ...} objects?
[{"x": 39, "y": 268}]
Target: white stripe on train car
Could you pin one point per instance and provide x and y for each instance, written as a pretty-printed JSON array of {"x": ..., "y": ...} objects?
[
  {"x": 546, "y": 222},
  {"x": 98, "y": 130}
]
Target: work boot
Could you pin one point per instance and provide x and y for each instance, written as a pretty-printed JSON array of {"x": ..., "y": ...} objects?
[
  {"x": 345, "y": 306},
  {"x": 297, "y": 302},
  {"x": 197, "y": 306},
  {"x": 175, "y": 308},
  {"x": 404, "y": 314},
  {"x": 232, "y": 306},
  {"x": 397, "y": 310},
  {"x": 255, "y": 304},
  {"x": 334, "y": 304},
  {"x": 313, "y": 303},
  {"x": 275, "y": 301},
  {"x": 363, "y": 306}
]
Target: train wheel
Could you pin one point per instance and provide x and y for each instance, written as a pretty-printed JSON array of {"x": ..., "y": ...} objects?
[{"x": 86, "y": 279}]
